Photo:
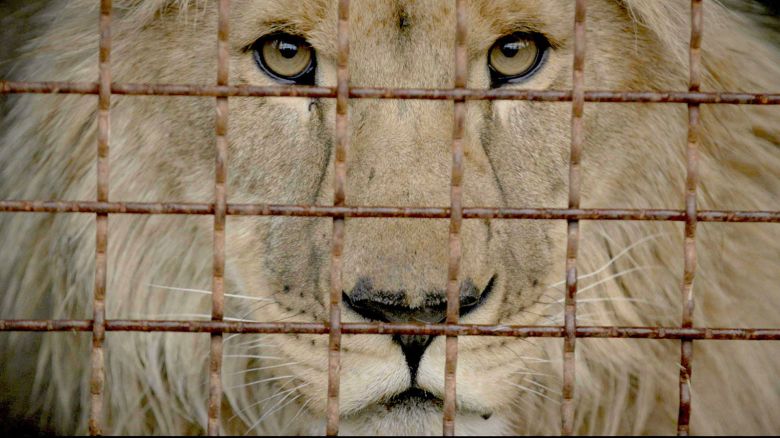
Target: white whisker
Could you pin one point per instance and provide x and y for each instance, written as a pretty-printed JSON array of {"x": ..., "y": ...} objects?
[
  {"x": 546, "y": 388},
  {"x": 633, "y": 300},
  {"x": 613, "y": 259},
  {"x": 617, "y": 275},
  {"x": 256, "y": 338},
  {"x": 208, "y": 292},
  {"x": 643, "y": 240},
  {"x": 273, "y": 409},
  {"x": 258, "y": 344},
  {"x": 303, "y": 406},
  {"x": 690, "y": 385},
  {"x": 288, "y": 317},
  {"x": 277, "y": 394},
  {"x": 533, "y": 391},
  {"x": 205, "y": 316},
  {"x": 581, "y": 318},
  {"x": 528, "y": 359},
  {"x": 525, "y": 400},
  {"x": 251, "y": 356},
  {"x": 624, "y": 252},
  {"x": 257, "y": 308},
  {"x": 611, "y": 277},
  {"x": 257, "y": 382},
  {"x": 549, "y": 318},
  {"x": 249, "y": 370},
  {"x": 531, "y": 373},
  {"x": 536, "y": 359}
]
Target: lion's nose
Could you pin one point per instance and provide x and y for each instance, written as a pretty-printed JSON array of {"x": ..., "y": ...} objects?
[{"x": 393, "y": 306}]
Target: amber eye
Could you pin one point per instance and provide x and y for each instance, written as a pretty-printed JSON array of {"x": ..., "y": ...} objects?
[
  {"x": 287, "y": 58},
  {"x": 515, "y": 57}
]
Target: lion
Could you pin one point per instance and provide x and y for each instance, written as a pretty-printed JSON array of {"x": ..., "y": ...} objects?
[{"x": 277, "y": 268}]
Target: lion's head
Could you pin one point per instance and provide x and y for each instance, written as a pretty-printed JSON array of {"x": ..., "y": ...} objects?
[{"x": 281, "y": 151}]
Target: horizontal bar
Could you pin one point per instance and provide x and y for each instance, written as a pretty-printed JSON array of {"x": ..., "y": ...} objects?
[
  {"x": 607, "y": 96},
  {"x": 385, "y": 212},
  {"x": 376, "y": 328}
]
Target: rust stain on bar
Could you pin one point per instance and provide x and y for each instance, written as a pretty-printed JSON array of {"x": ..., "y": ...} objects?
[
  {"x": 339, "y": 200},
  {"x": 195, "y": 90},
  {"x": 456, "y": 219},
  {"x": 573, "y": 225},
  {"x": 749, "y": 216},
  {"x": 689, "y": 250},
  {"x": 97, "y": 376}
]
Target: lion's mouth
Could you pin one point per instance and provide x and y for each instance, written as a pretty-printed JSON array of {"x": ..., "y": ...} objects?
[
  {"x": 413, "y": 397},
  {"x": 417, "y": 398}
]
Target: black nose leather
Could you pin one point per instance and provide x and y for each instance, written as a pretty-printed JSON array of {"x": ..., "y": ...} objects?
[
  {"x": 392, "y": 306},
  {"x": 413, "y": 347}
]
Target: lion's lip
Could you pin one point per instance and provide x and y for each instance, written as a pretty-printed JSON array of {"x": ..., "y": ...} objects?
[
  {"x": 413, "y": 395},
  {"x": 419, "y": 398}
]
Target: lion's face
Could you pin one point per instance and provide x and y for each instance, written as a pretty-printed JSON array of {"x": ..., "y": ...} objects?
[
  {"x": 516, "y": 154},
  {"x": 281, "y": 151}
]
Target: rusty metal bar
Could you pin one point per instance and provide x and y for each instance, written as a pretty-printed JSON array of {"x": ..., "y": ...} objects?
[
  {"x": 691, "y": 183},
  {"x": 220, "y": 208},
  {"x": 456, "y": 220},
  {"x": 339, "y": 200},
  {"x": 573, "y": 225},
  {"x": 375, "y": 328},
  {"x": 97, "y": 377},
  {"x": 387, "y": 212},
  {"x": 604, "y": 96}
]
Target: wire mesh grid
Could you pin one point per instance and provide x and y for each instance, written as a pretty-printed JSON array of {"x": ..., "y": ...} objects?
[{"x": 456, "y": 213}]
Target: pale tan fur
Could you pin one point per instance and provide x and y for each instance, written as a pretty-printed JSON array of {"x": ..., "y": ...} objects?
[{"x": 162, "y": 149}]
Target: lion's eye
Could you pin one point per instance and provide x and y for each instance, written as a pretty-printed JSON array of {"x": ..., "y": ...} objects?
[
  {"x": 287, "y": 58},
  {"x": 515, "y": 57}
]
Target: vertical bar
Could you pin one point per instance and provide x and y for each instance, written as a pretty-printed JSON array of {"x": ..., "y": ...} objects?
[
  {"x": 691, "y": 182},
  {"x": 97, "y": 378},
  {"x": 573, "y": 225},
  {"x": 456, "y": 219},
  {"x": 220, "y": 202},
  {"x": 339, "y": 197}
]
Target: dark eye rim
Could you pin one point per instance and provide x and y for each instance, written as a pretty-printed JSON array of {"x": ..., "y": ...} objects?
[
  {"x": 305, "y": 77},
  {"x": 498, "y": 79}
]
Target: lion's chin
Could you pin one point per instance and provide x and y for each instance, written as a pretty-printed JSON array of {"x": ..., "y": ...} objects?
[{"x": 416, "y": 412}]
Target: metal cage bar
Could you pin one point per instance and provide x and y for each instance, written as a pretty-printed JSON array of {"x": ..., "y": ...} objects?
[
  {"x": 220, "y": 207},
  {"x": 689, "y": 250},
  {"x": 380, "y": 328},
  {"x": 456, "y": 220},
  {"x": 573, "y": 225},
  {"x": 353, "y": 211},
  {"x": 604, "y": 96},
  {"x": 339, "y": 200},
  {"x": 98, "y": 374}
]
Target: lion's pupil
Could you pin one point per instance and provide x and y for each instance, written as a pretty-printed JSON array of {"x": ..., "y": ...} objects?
[
  {"x": 288, "y": 49},
  {"x": 510, "y": 49}
]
